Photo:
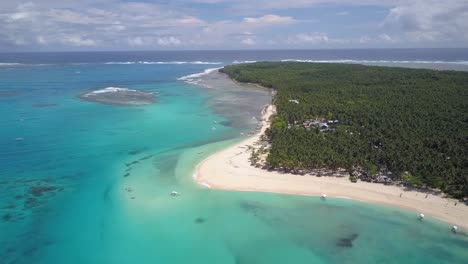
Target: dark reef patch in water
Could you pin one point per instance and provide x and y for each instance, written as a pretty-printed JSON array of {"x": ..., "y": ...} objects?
[
  {"x": 44, "y": 105},
  {"x": 347, "y": 242},
  {"x": 31, "y": 203},
  {"x": 5, "y": 94},
  {"x": 137, "y": 151},
  {"x": 146, "y": 157},
  {"x": 40, "y": 190},
  {"x": 227, "y": 123},
  {"x": 131, "y": 163},
  {"x": 26, "y": 194},
  {"x": 126, "y": 174},
  {"x": 7, "y": 217},
  {"x": 252, "y": 207},
  {"x": 199, "y": 220}
]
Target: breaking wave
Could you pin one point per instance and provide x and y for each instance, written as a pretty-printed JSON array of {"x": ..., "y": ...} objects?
[
  {"x": 191, "y": 77},
  {"x": 164, "y": 62},
  {"x": 196, "y": 77},
  {"x": 245, "y": 61},
  {"x": 9, "y": 64},
  {"x": 111, "y": 90}
]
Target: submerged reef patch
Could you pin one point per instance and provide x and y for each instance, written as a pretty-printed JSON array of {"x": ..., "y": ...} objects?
[
  {"x": 26, "y": 194},
  {"x": 199, "y": 220},
  {"x": 146, "y": 157},
  {"x": 44, "y": 105},
  {"x": 119, "y": 96},
  {"x": 42, "y": 189},
  {"x": 137, "y": 151},
  {"x": 347, "y": 242},
  {"x": 5, "y": 94},
  {"x": 131, "y": 163}
]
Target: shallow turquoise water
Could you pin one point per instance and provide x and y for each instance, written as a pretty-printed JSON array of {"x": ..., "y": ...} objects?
[{"x": 114, "y": 167}]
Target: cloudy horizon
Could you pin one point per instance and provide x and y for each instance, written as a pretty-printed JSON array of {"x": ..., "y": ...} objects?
[{"x": 53, "y": 25}]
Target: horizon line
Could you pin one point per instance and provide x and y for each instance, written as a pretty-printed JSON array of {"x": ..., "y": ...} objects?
[{"x": 212, "y": 50}]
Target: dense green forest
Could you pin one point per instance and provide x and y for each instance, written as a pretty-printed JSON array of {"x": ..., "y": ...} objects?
[{"x": 411, "y": 122}]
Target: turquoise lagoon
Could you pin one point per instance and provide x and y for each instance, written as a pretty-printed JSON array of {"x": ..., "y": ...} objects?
[{"x": 88, "y": 183}]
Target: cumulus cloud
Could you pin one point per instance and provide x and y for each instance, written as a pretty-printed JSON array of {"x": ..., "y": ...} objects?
[
  {"x": 41, "y": 40},
  {"x": 78, "y": 41},
  {"x": 169, "y": 41},
  {"x": 190, "y": 20},
  {"x": 118, "y": 24},
  {"x": 381, "y": 38},
  {"x": 269, "y": 20},
  {"x": 343, "y": 13},
  {"x": 311, "y": 38},
  {"x": 248, "y": 42},
  {"x": 430, "y": 20},
  {"x": 136, "y": 41}
]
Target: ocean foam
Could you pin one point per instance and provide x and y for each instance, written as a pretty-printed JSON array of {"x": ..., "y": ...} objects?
[
  {"x": 9, "y": 64},
  {"x": 111, "y": 90},
  {"x": 164, "y": 62},
  {"x": 120, "y": 62},
  {"x": 243, "y": 62},
  {"x": 192, "y": 77}
]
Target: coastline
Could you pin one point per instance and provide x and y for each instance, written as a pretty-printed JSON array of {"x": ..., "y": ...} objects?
[{"x": 230, "y": 169}]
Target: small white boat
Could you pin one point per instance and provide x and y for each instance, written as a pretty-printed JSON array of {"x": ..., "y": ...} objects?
[
  {"x": 454, "y": 228},
  {"x": 174, "y": 193},
  {"x": 421, "y": 216},
  {"x": 323, "y": 196}
]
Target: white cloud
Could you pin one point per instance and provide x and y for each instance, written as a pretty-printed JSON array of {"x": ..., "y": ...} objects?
[
  {"x": 270, "y": 20},
  {"x": 385, "y": 37},
  {"x": 169, "y": 41},
  {"x": 430, "y": 20},
  {"x": 41, "y": 40},
  {"x": 115, "y": 24},
  {"x": 379, "y": 39},
  {"x": 137, "y": 41},
  {"x": 364, "y": 39},
  {"x": 78, "y": 41},
  {"x": 248, "y": 42},
  {"x": 190, "y": 20},
  {"x": 312, "y": 38}
]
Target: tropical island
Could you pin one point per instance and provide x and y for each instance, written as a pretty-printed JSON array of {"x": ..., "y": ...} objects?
[{"x": 401, "y": 127}]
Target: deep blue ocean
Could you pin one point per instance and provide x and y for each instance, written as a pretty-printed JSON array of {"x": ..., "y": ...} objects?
[{"x": 82, "y": 182}]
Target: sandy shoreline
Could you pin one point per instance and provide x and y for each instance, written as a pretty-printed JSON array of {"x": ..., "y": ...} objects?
[{"x": 230, "y": 169}]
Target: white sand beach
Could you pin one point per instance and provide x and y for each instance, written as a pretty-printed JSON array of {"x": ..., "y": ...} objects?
[{"x": 230, "y": 169}]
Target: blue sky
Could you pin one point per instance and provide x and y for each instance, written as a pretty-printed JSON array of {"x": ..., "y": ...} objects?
[{"x": 49, "y": 25}]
